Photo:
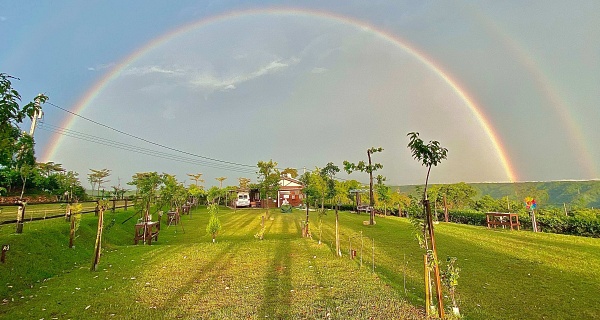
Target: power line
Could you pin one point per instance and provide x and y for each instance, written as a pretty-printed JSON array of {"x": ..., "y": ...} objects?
[
  {"x": 220, "y": 164},
  {"x": 148, "y": 141},
  {"x": 139, "y": 150}
]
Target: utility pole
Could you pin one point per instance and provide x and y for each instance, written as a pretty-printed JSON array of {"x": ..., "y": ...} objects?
[{"x": 37, "y": 115}]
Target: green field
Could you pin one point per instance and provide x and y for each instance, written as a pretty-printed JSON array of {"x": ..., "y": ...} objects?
[{"x": 505, "y": 275}]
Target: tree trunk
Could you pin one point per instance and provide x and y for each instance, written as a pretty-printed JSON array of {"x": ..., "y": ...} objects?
[{"x": 20, "y": 216}]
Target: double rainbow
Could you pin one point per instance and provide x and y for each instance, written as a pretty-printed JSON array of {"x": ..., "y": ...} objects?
[{"x": 94, "y": 91}]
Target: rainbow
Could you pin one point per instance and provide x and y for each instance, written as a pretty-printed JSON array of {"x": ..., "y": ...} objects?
[
  {"x": 469, "y": 101},
  {"x": 556, "y": 103}
]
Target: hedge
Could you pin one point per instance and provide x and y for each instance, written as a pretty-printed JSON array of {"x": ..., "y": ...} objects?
[{"x": 573, "y": 225}]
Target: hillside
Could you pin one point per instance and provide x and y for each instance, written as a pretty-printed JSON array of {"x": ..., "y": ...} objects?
[{"x": 581, "y": 193}]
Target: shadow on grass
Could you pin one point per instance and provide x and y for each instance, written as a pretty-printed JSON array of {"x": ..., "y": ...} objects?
[{"x": 278, "y": 282}]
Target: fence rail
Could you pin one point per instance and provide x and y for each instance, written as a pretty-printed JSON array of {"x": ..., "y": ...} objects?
[{"x": 33, "y": 212}]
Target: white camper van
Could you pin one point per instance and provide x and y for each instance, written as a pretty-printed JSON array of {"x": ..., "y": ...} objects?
[{"x": 243, "y": 199}]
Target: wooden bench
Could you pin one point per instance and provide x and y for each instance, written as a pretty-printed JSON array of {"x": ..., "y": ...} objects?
[
  {"x": 173, "y": 217},
  {"x": 185, "y": 209},
  {"x": 502, "y": 219},
  {"x": 146, "y": 231},
  {"x": 363, "y": 208}
]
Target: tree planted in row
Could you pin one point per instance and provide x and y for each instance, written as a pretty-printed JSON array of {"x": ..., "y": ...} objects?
[
  {"x": 430, "y": 155},
  {"x": 349, "y": 167},
  {"x": 214, "y": 224}
]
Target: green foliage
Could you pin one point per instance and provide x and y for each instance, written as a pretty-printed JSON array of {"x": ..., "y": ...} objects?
[
  {"x": 430, "y": 154},
  {"x": 450, "y": 278},
  {"x": 12, "y": 142},
  {"x": 315, "y": 186},
  {"x": 291, "y": 171},
  {"x": 268, "y": 177},
  {"x": 147, "y": 184},
  {"x": 172, "y": 193},
  {"x": 97, "y": 178},
  {"x": 361, "y": 166},
  {"x": 215, "y": 194},
  {"x": 214, "y": 224}
]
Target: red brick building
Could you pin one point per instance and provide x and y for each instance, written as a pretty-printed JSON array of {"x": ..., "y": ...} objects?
[{"x": 290, "y": 190}]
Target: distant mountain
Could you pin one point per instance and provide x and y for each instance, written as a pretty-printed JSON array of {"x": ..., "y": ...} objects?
[{"x": 552, "y": 193}]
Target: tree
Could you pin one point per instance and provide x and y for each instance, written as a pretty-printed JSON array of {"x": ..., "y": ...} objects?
[
  {"x": 11, "y": 115},
  {"x": 430, "y": 154},
  {"x": 214, "y": 225},
  {"x": 68, "y": 183},
  {"x": 291, "y": 171},
  {"x": 197, "y": 192},
  {"x": 221, "y": 179},
  {"x": 98, "y": 177},
  {"x": 401, "y": 200},
  {"x": 214, "y": 195},
  {"x": 370, "y": 168},
  {"x": 383, "y": 193},
  {"x": 196, "y": 177},
  {"x": 333, "y": 190},
  {"x": 172, "y": 193},
  {"x": 244, "y": 184},
  {"x": 147, "y": 184},
  {"x": 458, "y": 195},
  {"x": 268, "y": 176}
]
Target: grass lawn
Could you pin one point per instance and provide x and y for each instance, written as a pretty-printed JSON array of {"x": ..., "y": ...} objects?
[{"x": 505, "y": 275}]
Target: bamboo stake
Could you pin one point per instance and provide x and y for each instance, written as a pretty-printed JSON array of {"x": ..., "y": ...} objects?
[{"x": 427, "y": 293}]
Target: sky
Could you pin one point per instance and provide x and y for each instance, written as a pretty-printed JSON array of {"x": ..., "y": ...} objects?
[{"x": 511, "y": 89}]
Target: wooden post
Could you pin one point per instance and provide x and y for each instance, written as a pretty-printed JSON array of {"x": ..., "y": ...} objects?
[
  {"x": 427, "y": 293},
  {"x": 371, "y": 196},
  {"x": 438, "y": 284},
  {"x": 5, "y": 247},
  {"x": 338, "y": 250},
  {"x": 361, "y": 248},
  {"x": 20, "y": 216},
  {"x": 97, "y": 209},
  {"x": 306, "y": 230},
  {"x": 350, "y": 246},
  {"x": 262, "y": 226},
  {"x": 125, "y": 204},
  {"x": 72, "y": 231},
  {"x": 373, "y": 255},
  {"x": 98, "y": 245}
]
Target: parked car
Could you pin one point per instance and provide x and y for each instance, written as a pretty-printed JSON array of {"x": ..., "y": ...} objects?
[{"x": 243, "y": 199}]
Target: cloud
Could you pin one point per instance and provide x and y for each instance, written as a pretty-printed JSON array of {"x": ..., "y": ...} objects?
[
  {"x": 101, "y": 66},
  {"x": 318, "y": 70},
  {"x": 141, "y": 71},
  {"x": 211, "y": 82}
]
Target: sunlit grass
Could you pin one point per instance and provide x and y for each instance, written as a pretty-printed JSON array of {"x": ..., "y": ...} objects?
[
  {"x": 505, "y": 275},
  {"x": 184, "y": 275}
]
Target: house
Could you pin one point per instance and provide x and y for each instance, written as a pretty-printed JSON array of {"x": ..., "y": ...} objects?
[{"x": 290, "y": 191}]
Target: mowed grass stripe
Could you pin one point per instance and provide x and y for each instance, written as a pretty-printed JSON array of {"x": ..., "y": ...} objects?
[{"x": 184, "y": 275}]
